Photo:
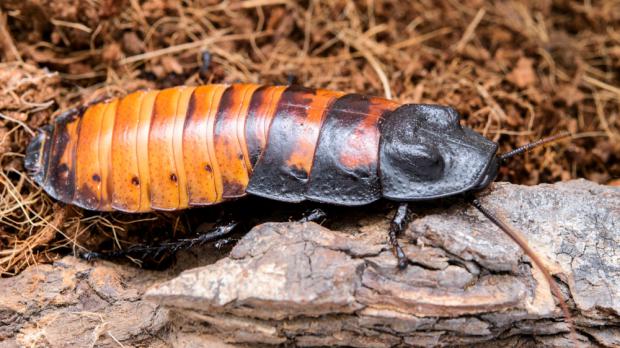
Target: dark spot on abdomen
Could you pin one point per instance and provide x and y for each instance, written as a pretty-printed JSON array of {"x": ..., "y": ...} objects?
[{"x": 63, "y": 171}]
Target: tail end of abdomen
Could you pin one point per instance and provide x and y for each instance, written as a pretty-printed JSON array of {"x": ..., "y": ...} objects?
[{"x": 37, "y": 154}]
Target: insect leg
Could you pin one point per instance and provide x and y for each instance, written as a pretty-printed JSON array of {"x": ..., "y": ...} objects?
[
  {"x": 291, "y": 79},
  {"x": 313, "y": 215},
  {"x": 154, "y": 251},
  {"x": 206, "y": 61},
  {"x": 398, "y": 224},
  {"x": 221, "y": 243}
]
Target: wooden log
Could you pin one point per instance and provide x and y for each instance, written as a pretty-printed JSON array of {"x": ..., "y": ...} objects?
[
  {"x": 299, "y": 283},
  {"x": 304, "y": 285}
]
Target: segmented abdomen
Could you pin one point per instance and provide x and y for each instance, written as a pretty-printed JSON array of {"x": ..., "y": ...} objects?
[{"x": 192, "y": 146}]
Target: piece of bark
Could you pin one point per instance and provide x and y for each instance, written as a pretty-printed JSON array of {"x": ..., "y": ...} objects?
[
  {"x": 301, "y": 284},
  {"x": 76, "y": 304},
  {"x": 470, "y": 284}
]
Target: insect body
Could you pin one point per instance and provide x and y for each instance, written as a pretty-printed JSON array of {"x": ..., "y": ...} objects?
[{"x": 195, "y": 146}]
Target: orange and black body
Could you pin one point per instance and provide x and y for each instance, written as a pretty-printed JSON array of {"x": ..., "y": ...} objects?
[{"x": 195, "y": 146}]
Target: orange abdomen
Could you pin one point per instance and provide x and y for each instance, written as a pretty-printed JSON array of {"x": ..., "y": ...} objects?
[{"x": 193, "y": 146}]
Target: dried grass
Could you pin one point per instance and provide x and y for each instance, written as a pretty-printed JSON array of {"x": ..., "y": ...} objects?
[{"x": 516, "y": 70}]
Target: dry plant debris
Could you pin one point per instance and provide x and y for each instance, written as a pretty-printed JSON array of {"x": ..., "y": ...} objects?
[{"x": 516, "y": 70}]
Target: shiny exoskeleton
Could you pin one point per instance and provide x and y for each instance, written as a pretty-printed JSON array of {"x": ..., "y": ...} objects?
[{"x": 193, "y": 146}]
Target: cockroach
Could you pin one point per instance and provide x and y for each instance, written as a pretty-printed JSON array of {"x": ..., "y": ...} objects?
[{"x": 185, "y": 147}]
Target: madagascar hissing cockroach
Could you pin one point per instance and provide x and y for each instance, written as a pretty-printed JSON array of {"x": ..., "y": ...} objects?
[
  {"x": 185, "y": 146},
  {"x": 194, "y": 146}
]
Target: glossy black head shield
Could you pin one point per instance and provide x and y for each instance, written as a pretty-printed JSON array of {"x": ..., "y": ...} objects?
[{"x": 426, "y": 154}]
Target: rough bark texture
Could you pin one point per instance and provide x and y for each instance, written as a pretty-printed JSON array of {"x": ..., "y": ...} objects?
[{"x": 302, "y": 284}]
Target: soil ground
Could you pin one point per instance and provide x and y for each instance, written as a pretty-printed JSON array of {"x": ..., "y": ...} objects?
[{"x": 515, "y": 70}]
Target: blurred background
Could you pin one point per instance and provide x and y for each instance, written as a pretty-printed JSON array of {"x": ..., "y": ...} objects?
[{"x": 516, "y": 70}]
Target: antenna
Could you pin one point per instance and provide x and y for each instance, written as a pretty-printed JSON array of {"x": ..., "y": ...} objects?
[
  {"x": 528, "y": 147},
  {"x": 522, "y": 242}
]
